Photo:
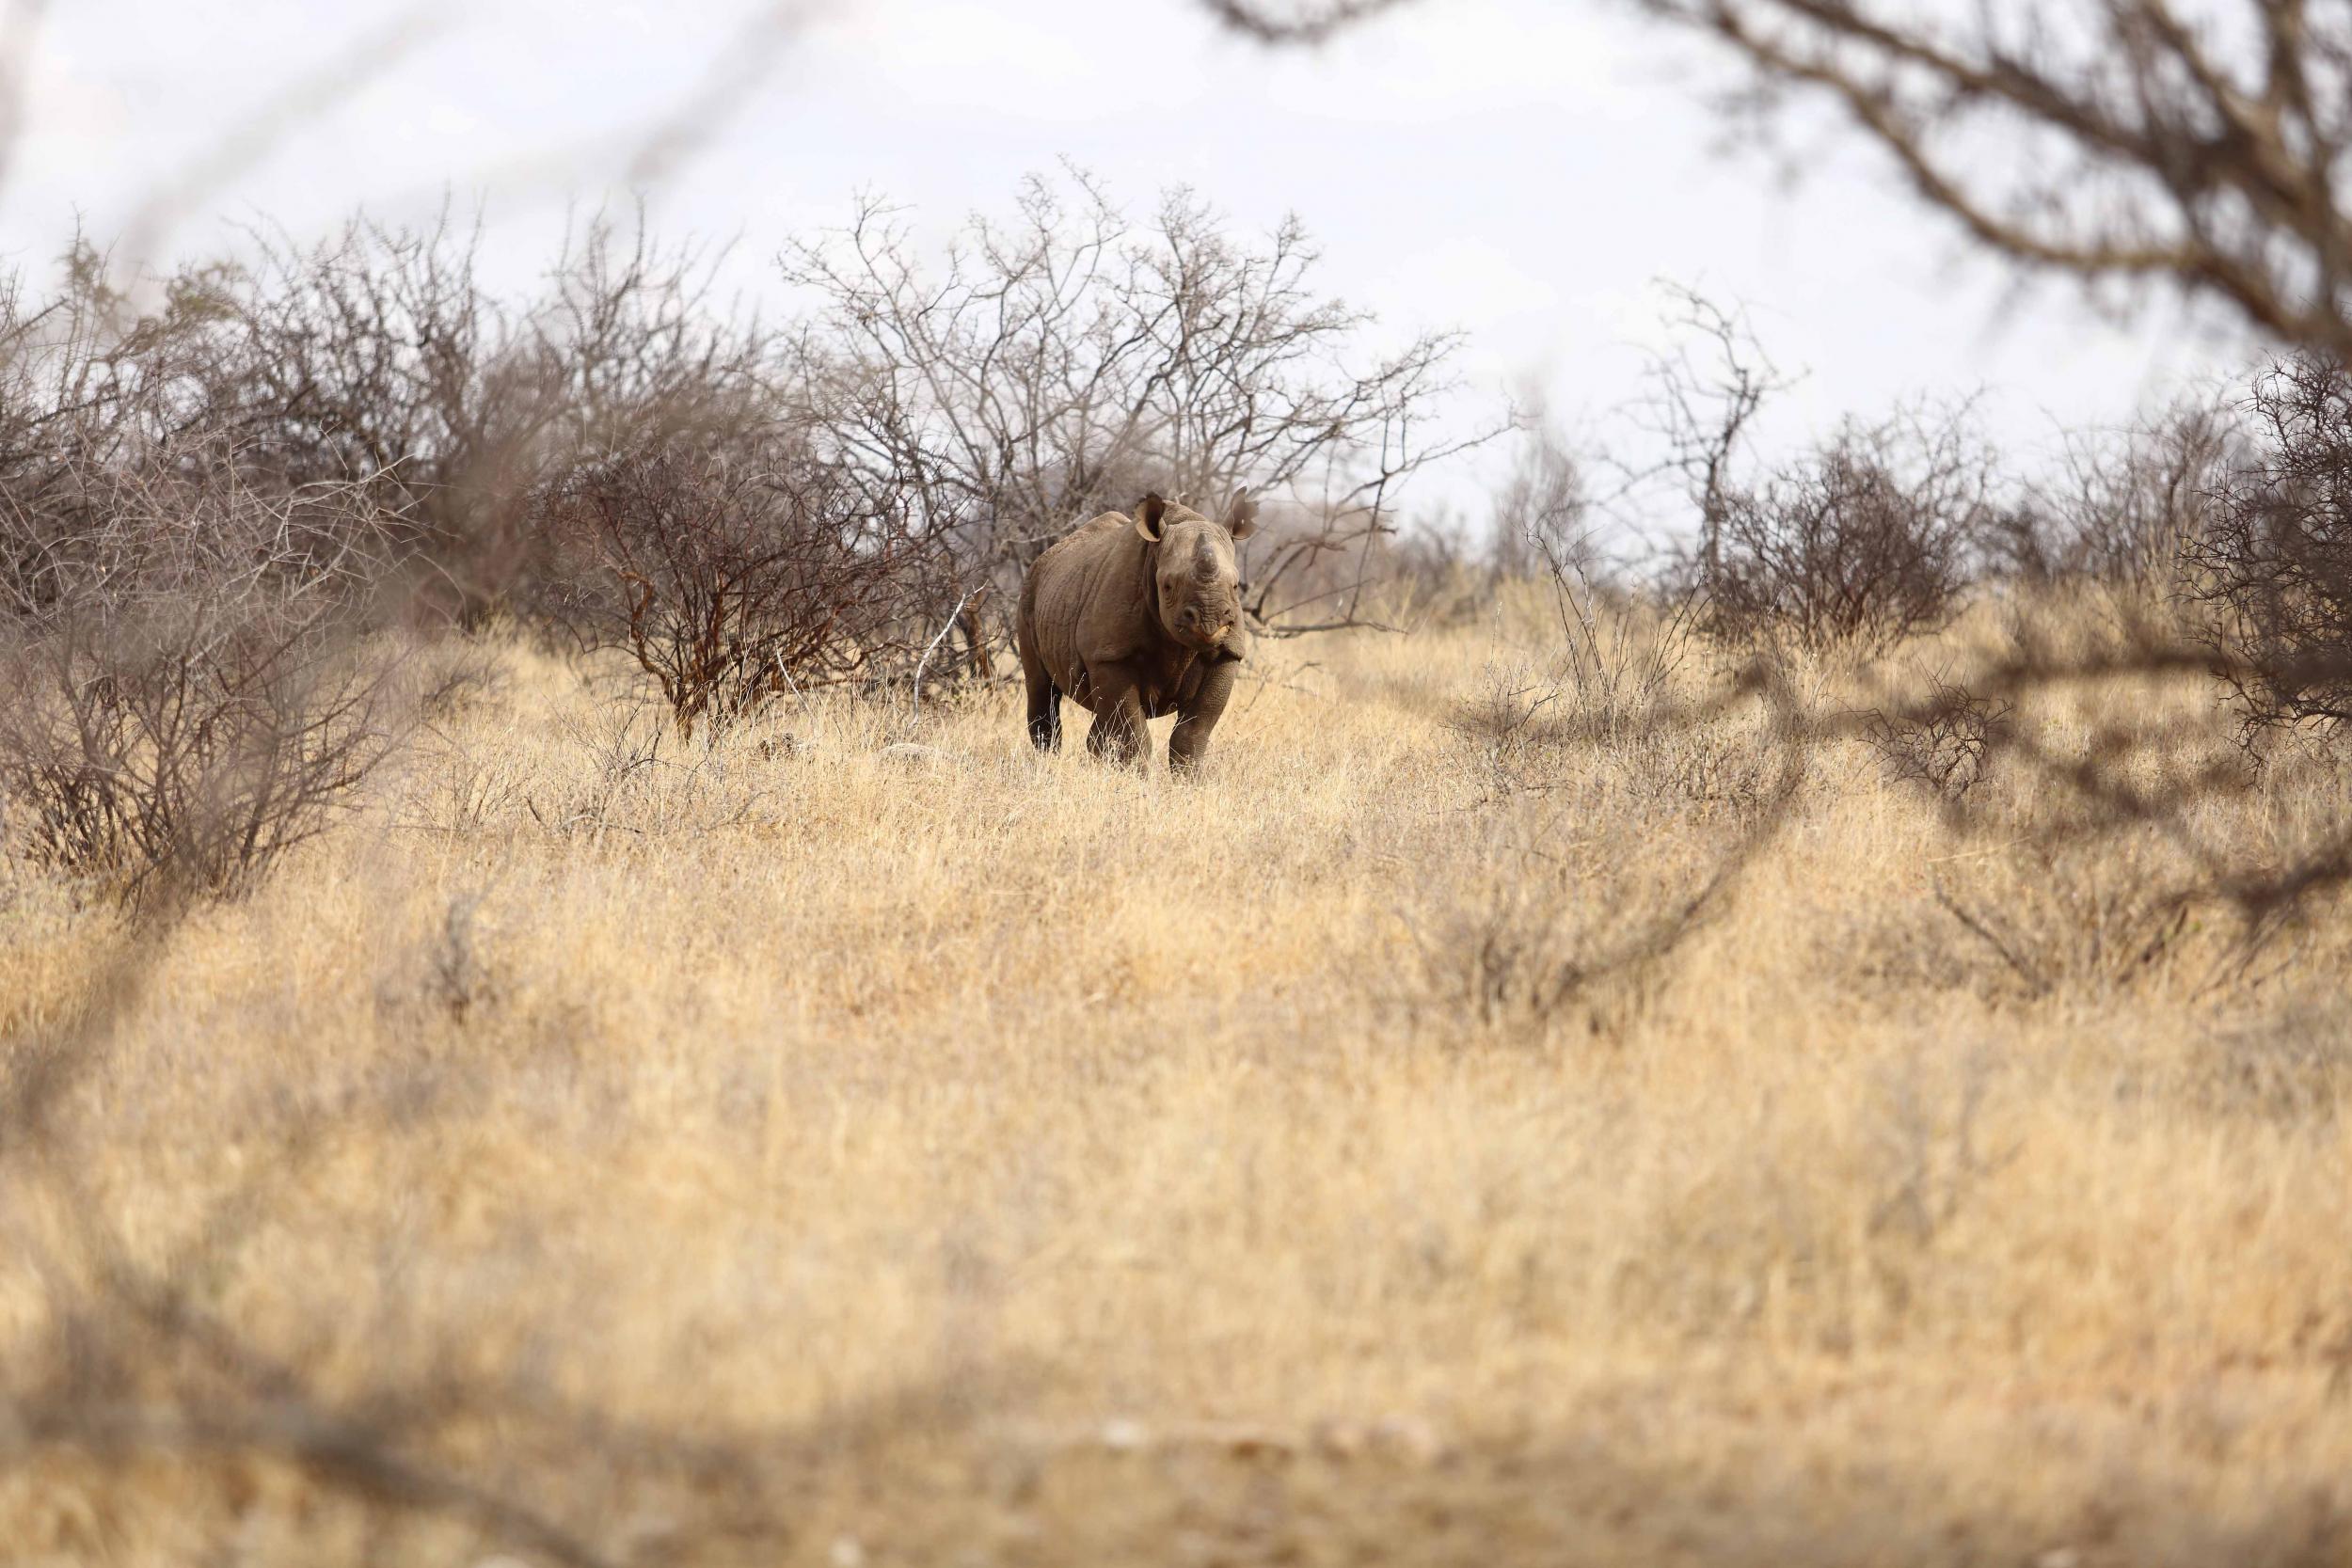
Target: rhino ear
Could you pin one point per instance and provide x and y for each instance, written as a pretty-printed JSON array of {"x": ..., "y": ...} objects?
[
  {"x": 1149, "y": 512},
  {"x": 1241, "y": 519}
]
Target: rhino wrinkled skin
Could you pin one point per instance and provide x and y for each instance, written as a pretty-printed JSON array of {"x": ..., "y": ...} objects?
[{"x": 1134, "y": 617}]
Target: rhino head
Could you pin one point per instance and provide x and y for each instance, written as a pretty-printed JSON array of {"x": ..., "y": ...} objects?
[{"x": 1196, "y": 582}]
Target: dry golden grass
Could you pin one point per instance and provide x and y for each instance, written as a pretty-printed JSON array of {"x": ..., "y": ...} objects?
[{"x": 1005, "y": 1160}]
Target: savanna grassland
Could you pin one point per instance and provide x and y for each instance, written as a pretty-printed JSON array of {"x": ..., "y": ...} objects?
[{"x": 1461, "y": 1127}]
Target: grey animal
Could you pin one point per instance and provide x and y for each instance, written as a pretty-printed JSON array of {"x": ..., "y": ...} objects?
[{"x": 1134, "y": 617}]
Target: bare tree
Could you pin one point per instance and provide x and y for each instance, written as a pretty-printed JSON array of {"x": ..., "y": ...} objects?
[
  {"x": 2103, "y": 139},
  {"x": 1310, "y": 22},
  {"x": 1703, "y": 396},
  {"x": 2113, "y": 141},
  {"x": 1064, "y": 363}
]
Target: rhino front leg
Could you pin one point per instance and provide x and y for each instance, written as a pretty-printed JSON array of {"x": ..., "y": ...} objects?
[
  {"x": 1117, "y": 730},
  {"x": 1197, "y": 718}
]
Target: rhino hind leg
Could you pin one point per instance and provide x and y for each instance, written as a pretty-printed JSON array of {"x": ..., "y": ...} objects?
[
  {"x": 1045, "y": 716},
  {"x": 1044, "y": 704}
]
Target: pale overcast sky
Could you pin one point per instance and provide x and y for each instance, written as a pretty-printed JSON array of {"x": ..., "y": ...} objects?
[{"x": 1520, "y": 168}]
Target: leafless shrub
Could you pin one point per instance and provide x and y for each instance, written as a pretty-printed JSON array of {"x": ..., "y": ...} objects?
[
  {"x": 379, "y": 357},
  {"x": 2272, "y": 591},
  {"x": 1852, "y": 550},
  {"x": 89, "y": 392},
  {"x": 622, "y": 740},
  {"x": 732, "y": 578},
  {"x": 633, "y": 779},
  {"x": 2069, "y": 922},
  {"x": 1597, "y": 695},
  {"x": 380, "y": 352},
  {"x": 1572, "y": 948},
  {"x": 1512, "y": 720},
  {"x": 1619, "y": 653},
  {"x": 2124, "y": 508},
  {"x": 1941, "y": 747},
  {"x": 182, "y": 697},
  {"x": 452, "y": 793},
  {"x": 377, "y": 352},
  {"x": 1059, "y": 364}
]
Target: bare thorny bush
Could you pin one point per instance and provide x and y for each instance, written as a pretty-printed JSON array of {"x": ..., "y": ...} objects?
[
  {"x": 2123, "y": 507},
  {"x": 1846, "y": 551},
  {"x": 1619, "y": 652},
  {"x": 2214, "y": 541},
  {"x": 379, "y": 358},
  {"x": 1853, "y": 550},
  {"x": 1622, "y": 642},
  {"x": 187, "y": 692},
  {"x": 2271, "y": 576},
  {"x": 733, "y": 578},
  {"x": 381, "y": 352},
  {"x": 1945, "y": 745}
]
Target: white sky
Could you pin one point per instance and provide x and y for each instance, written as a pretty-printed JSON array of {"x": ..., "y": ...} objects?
[{"x": 1520, "y": 168}]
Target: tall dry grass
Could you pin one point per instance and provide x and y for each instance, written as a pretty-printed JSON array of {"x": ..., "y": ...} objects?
[{"x": 774, "y": 1149}]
